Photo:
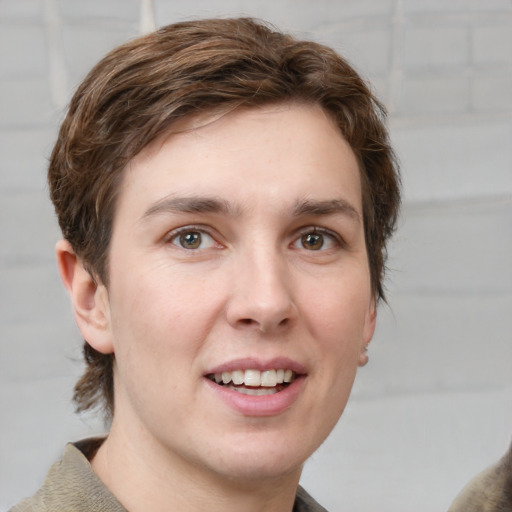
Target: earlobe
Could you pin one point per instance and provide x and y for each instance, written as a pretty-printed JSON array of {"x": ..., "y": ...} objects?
[
  {"x": 369, "y": 329},
  {"x": 89, "y": 298}
]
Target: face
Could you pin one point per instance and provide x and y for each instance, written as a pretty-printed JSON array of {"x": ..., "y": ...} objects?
[{"x": 239, "y": 299}]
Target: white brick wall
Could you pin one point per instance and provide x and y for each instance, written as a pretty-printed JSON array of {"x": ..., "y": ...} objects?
[{"x": 435, "y": 404}]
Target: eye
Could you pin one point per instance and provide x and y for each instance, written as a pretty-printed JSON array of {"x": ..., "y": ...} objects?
[
  {"x": 192, "y": 239},
  {"x": 312, "y": 241},
  {"x": 316, "y": 240}
]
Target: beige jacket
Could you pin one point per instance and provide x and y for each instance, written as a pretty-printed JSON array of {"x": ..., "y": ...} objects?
[
  {"x": 72, "y": 486},
  {"x": 490, "y": 491}
]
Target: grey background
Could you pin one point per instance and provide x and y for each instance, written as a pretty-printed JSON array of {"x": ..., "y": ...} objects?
[{"x": 434, "y": 406}]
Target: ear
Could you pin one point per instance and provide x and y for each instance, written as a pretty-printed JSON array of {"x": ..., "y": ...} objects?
[
  {"x": 369, "y": 329},
  {"x": 89, "y": 298}
]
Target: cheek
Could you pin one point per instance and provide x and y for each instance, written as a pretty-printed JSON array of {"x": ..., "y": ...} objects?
[
  {"x": 155, "y": 340},
  {"x": 159, "y": 313},
  {"x": 337, "y": 311},
  {"x": 147, "y": 296}
]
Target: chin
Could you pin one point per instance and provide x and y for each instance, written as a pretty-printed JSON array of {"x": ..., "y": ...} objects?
[
  {"x": 260, "y": 470},
  {"x": 262, "y": 461}
]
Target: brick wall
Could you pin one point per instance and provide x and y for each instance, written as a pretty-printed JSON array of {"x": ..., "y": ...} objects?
[{"x": 435, "y": 404}]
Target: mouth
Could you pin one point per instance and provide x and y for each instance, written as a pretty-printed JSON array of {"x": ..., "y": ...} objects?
[{"x": 255, "y": 382}]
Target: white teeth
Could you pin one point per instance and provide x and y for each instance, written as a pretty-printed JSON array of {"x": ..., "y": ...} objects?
[
  {"x": 255, "y": 378},
  {"x": 268, "y": 378},
  {"x": 254, "y": 391},
  {"x": 252, "y": 378},
  {"x": 237, "y": 377}
]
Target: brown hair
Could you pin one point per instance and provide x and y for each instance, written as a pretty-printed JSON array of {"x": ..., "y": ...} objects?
[{"x": 140, "y": 89}]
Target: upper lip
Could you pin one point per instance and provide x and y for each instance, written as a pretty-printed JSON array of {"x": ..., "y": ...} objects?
[{"x": 252, "y": 363}]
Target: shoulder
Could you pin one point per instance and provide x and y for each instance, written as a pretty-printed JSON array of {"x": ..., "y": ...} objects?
[
  {"x": 490, "y": 491},
  {"x": 305, "y": 503},
  {"x": 72, "y": 485},
  {"x": 27, "y": 505}
]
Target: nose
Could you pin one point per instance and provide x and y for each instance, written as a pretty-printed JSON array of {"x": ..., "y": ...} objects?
[{"x": 261, "y": 295}]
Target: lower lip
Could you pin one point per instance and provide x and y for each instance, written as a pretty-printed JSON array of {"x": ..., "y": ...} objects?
[{"x": 265, "y": 405}]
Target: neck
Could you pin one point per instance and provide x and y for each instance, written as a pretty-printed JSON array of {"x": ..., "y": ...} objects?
[{"x": 144, "y": 476}]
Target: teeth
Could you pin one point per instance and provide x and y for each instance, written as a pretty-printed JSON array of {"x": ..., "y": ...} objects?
[
  {"x": 237, "y": 377},
  {"x": 288, "y": 376},
  {"x": 255, "y": 378},
  {"x": 254, "y": 391},
  {"x": 252, "y": 378},
  {"x": 268, "y": 378}
]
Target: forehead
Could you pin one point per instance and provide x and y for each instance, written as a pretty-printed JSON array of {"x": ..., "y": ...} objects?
[
  {"x": 275, "y": 151},
  {"x": 218, "y": 121}
]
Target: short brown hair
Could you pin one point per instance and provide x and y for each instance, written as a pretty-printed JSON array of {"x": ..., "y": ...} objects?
[{"x": 139, "y": 90}]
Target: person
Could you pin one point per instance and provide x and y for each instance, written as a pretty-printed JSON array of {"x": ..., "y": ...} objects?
[
  {"x": 490, "y": 491},
  {"x": 225, "y": 193}
]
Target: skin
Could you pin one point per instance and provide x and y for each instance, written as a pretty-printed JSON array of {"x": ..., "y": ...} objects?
[{"x": 280, "y": 271}]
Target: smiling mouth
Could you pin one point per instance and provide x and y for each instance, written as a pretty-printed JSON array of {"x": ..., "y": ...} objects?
[{"x": 254, "y": 382}]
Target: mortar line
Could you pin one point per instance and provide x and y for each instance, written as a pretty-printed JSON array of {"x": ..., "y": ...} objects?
[
  {"x": 56, "y": 60},
  {"x": 147, "y": 17},
  {"x": 396, "y": 73}
]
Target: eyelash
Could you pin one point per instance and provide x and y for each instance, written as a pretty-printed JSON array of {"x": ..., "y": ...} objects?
[
  {"x": 313, "y": 230},
  {"x": 335, "y": 238},
  {"x": 174, "y": 235}
]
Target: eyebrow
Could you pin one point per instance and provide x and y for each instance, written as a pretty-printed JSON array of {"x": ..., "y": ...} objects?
[
  {"x": 328, "y": 207},
  {"x": 199, "y": 204},
  {"x": 191, "y": 204}
]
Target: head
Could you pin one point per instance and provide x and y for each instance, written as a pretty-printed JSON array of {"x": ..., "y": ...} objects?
[{"x": 152, "y": 86}]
